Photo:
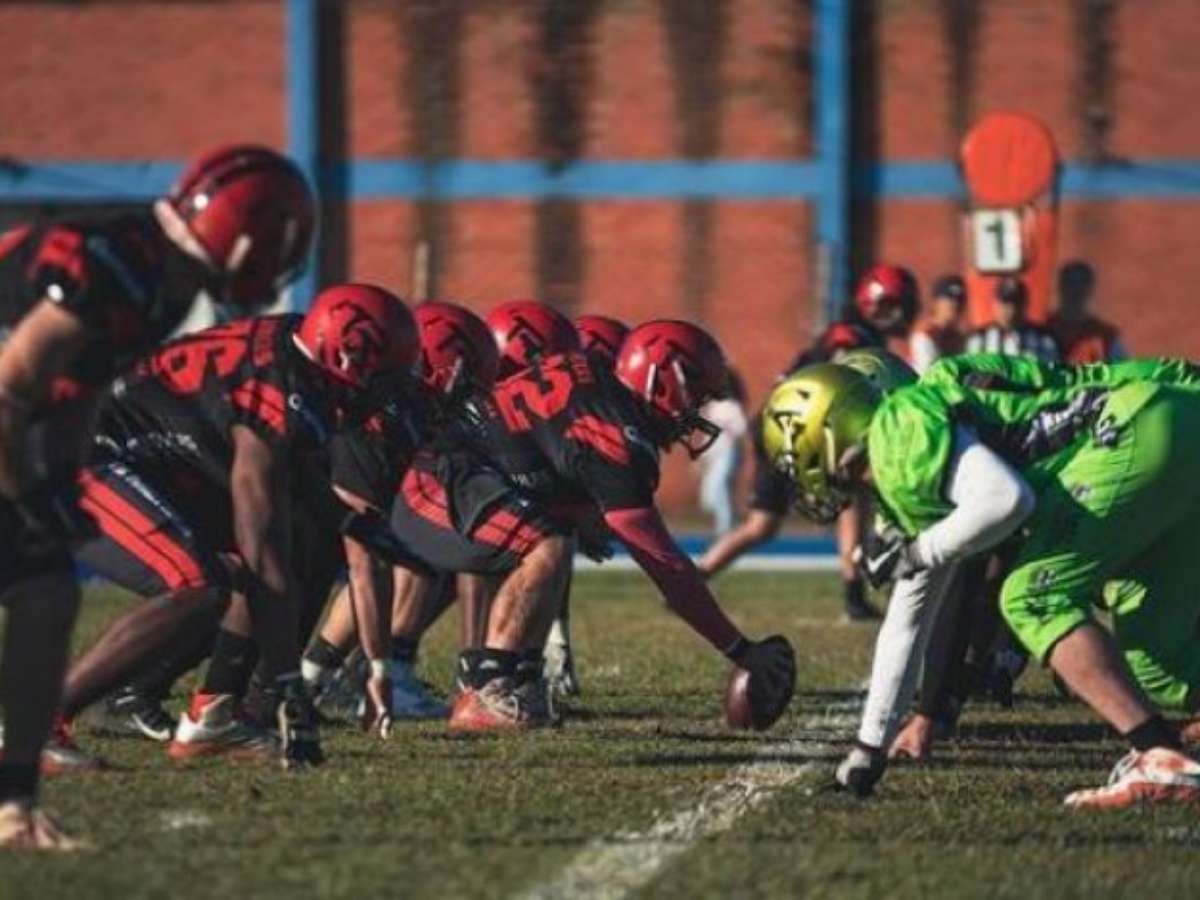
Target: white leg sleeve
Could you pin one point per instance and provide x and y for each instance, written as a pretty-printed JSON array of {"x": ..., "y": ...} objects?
[{"x": 899, "y": 650}]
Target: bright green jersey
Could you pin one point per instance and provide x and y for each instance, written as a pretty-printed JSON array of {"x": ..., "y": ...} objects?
[
  {"x": 995, "y": 371},
  {"x": 911, "y": 439}
]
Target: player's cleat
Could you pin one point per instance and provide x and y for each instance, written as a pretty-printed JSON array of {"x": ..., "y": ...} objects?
[
  {"x": 213, "y": 727},
  {"x": 25, "y": 827},
  {"x": 412, "y": 698},
  {"x": 129, "y": 713},
  {"x": 859, "y": 609},
  {"x": 61, "y": 755},
  {"x": 299, "y": 731},
  {"x": 497, "y": 706},
  {"x": 560, "y": 669},
  {"x": 340, "y": 694},
  {"x": 1158, "y": 775}
]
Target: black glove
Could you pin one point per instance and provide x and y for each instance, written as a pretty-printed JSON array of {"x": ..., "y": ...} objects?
[
  {"x": 887, "y": 556},
  {"x": 50, "y": 515},
  {"x": 299, "y": 733},
  {"x": 375, "y": 533},
  {"x": 771, "y": 663},
  {"x": 861, "y": 770}
]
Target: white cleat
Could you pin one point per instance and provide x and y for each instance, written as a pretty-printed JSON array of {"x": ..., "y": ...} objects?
[
  {"x": 213, "y": 727},
  {"x": 1151, "y": 776},
  {"x": 25, "y": 827}
]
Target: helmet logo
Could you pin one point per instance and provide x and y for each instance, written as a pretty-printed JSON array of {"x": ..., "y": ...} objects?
[
  {"x": 528, "y": 336},
  {"x": 362, "y": 339}
]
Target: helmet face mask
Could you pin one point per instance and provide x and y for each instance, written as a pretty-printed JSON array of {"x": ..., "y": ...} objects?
[{"x": 674, "y": 368}]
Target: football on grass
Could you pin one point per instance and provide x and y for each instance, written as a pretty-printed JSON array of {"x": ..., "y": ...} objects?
[{"x": 738, "y": 711}]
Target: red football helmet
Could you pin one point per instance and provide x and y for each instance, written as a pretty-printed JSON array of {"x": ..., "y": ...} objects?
[
  {"x": 886, "y": 298},
  {"x": 456, "y": 347},
  {"x": 601, "y": 336},
  {"x": 525, "y": 330},
  {"x": 357, "y": 331},
  {"x": 675, "y": 367},
  {"x": 248, "y": 214}
]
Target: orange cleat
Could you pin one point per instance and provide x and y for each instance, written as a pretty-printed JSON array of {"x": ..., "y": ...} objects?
[
  {"x": 1152, "y": 776},
  {"x": 212, "y": 727}
]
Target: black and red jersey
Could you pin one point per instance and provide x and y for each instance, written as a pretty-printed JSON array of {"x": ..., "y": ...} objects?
[
  {"x": 170, "y": 417},
  {"x": 114, "y": 275},
  {"x": 564, "y": 432},
  {"x": 369, "y": 459}
]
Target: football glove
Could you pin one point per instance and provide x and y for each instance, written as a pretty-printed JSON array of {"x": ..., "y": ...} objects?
[
  {"x": 885, "y": 556},
  {"x": 771, "y": 663},
  {"x": 299, "y": 734},
  {"x": 50, "y": 517},
  {"x": 861, "y": 770}
]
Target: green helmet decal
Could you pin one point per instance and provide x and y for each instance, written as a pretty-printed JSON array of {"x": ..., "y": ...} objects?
[{"x": 810, "y": 422}]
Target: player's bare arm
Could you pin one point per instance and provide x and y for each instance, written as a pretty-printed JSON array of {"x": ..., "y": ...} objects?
[{"x": 40, "y": 349}]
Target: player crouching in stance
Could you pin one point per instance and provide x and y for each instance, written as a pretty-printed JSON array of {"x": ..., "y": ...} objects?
[
  {"x": 196, "y": 458},
  {"x": 554, "y": 447},
  {"x": 82, "y": 300},
  {"x": 1088, "y": 468}
]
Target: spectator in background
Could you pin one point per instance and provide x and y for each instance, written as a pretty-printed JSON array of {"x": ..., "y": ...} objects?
[
  {"x": 1083, "y": 337},
  {"x": 939, "y": 333},
  {"x": 1010, "y": 334},
  {"x": 720, "y": 463}
]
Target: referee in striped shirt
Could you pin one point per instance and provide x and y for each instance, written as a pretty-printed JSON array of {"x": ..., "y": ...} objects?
[{"x": 1010, "y": 334}]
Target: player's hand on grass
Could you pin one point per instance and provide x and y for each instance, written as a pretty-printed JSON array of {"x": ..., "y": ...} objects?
[
  {"x": 861, "y": 770},
  {"x": 299, "y": 732},
  {"x": 377, "y": 715},
  {"x": 914, "y": 740}
]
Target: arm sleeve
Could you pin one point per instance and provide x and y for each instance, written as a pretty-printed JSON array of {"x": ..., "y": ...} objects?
[
  {"x": 990, "y": 499},
  {"x": 651, "y": 545},
  {"x": 898, "y": 651}
]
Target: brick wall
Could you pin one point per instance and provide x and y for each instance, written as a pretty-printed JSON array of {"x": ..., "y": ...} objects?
[{"x": 643, "y": 79}]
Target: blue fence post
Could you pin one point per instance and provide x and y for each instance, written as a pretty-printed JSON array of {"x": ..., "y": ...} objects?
[
  {"x": 303, "y": 118},
  {"x": 832, "y": 129}
]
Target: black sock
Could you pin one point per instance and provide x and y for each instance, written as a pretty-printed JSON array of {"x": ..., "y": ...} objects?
[
  {"x": 529, "y": 666},
  {"x": 232, "y": 663},
  {"x": 856, "y": 594},
  {"x": 477, "y": 667},
  {"x": 325, "y": 654},
  {"x": 404, "y": 649},
  {"x": 18, "y": 782},
  {"x": 1154, "y": 732}
]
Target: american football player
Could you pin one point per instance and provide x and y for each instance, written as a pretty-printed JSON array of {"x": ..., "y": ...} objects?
[
  {"x": 1086, "y": 461},
  {"x": 196, "y": 454},
  {"x": 884, "y": 306},
  {"x": 80, "y": 300},
  {"x": 458, "y": 358},
  {"x": 554, "y": 449},
  {"x": 600, "y": 337}
]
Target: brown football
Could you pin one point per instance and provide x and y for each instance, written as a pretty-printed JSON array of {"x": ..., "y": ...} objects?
[{"x": 738, "y": 712}]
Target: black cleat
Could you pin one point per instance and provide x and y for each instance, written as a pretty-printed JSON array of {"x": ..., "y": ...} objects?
[{"x": 128, "y": 713}]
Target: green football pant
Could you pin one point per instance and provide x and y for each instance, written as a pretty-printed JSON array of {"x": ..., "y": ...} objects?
[{"x": 1129, "y": 514}]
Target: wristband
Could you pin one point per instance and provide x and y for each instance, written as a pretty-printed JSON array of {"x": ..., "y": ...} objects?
[{"x": 380, "y": 668}]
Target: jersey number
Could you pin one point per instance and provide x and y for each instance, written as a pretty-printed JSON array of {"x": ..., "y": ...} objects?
[
  {"x": 543, "y": 393},
  {"x": 183, "y": 367}
]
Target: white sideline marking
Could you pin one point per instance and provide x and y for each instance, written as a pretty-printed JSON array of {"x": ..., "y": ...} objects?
[
  {"x": 185, "y": 818},
  {"x": 613, "y": 867}
]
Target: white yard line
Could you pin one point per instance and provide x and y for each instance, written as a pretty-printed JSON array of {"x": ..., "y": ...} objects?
[{"x": 613, "y": 867}]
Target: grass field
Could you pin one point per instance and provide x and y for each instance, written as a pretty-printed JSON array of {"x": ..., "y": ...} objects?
[{"x": 643, "y": 782}]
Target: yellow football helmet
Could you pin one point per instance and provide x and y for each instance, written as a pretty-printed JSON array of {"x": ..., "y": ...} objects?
[
  {"x": 883, "y": 369},
  {"x": 814, "y": 423}
]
